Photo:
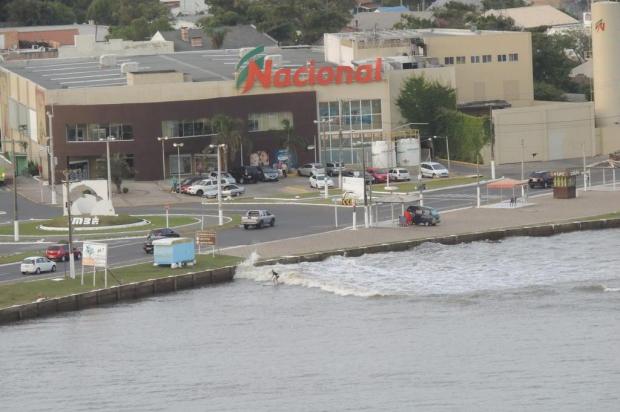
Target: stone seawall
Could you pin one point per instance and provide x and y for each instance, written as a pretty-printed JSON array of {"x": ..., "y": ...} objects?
[
  {"x": 498, "y": 234},
  {"x": 114, "y": 294}
]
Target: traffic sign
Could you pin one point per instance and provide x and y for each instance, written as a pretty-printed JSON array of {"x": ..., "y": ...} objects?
[{"x": 206, "y": 237}]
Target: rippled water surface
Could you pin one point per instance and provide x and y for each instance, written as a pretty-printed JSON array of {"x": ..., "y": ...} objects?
[{"x": 523, "y": 324}]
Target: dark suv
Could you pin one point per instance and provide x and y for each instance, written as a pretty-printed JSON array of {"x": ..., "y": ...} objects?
[
  {"x": 157, "y": 234},
  {"x": 540, "y": 179},
  {"x": 423, "y": 215},
  {"x": 247, "y": 174}
]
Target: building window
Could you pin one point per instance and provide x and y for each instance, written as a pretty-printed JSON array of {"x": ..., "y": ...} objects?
[
  {"x": 448, "y": 60},
  {"x": 94, "y": 131},
  {"x": 460, "y": 59},
  {"x": 186, "y": 128},
  {"x": 501, "y": 57},
  {"x": 356, "y": 115},
  {"x": 475, "y": 59},
  {"x": 262, "y": 122},
  {"x": 486, "y": 58},
  {"x": 513, "y": 57}
]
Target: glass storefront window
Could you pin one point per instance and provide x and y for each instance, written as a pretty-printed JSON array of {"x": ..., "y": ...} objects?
[
  {"x": 94, "y": 131},
  {"x": 259, "y": 122},
  {"x": 356, "y": 115}
]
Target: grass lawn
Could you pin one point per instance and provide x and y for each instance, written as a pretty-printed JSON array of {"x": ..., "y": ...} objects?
[
  {"x": 26, "y": 292},
  {"x": 18, "y": 257},
  {"x": 30, "y": 228}
]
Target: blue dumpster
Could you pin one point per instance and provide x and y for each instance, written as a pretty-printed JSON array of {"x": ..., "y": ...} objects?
[{"x": 174, "y": 251}]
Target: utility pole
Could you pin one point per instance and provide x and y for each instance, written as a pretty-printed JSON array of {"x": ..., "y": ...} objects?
[
  {"x": 340, "y": 144},
  {"x": 68, "y": 204},
  {"x": 585, "y": 179},
  {"x": 52, "y": 159},
  {"x": 492, "y": 135},
  {"x": 22, "y": 127},
  {"x": 366, "y": 217},
  {"x": 522, "y": 158},
  {"x": 163, "y": 156}
]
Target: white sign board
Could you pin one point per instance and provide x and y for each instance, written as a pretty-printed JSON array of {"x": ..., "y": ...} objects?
[
  {"x": 89, "y": 198},
  {"x": 354, "y": 185},
  {"x": 95, "y": 254}
]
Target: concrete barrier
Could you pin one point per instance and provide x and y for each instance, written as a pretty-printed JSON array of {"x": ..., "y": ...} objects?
[{"x": 115, "y": 294}]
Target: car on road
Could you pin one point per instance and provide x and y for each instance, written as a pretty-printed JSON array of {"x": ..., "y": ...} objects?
[
  {"x": 37, "y": 264},
  {"x": 399, "y": 174},
  {"x": 187, "y": 182},
  {"x": 319, "y": 181},
  {"x": 201, "y": 186},
  {"x": 310, "y": 169},
  {"x": 224, "y": 176},
  {"x": 433, "y": 169},
  {"x": 258, "y": 219},
  {"x": 2, "y": 176},
  {"x": 424, "y": 215},
  {"x": 247, "y": 174},
  {"x": 379, "y": 175},
  {"x": 542, "y": 179},
  {"x": 334, "y": 168},
  {"x": 227, "y": 191},
  {"x": 61, "y": 253},
  {"x": 269, "y": 174},
  {"x": 157, "y": 234}
]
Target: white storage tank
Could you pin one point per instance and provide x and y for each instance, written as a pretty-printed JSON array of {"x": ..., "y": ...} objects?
[
  {"x": 606, "y": 60},
  {"x": 383, "y": 155},
  {"x": 408, "y": 152}
]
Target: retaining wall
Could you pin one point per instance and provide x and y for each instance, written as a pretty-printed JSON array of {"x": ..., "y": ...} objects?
[
  {"x": 114, "y": 294},
  {"x": 494, "y": 235}
]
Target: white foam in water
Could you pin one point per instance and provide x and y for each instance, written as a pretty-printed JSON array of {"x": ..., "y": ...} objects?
[{"x": 434, "y": 269}]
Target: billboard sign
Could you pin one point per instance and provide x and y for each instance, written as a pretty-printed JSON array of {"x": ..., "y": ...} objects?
[
  {"x": 354, "y": 185},
  {"x": 95, "y": 254}
]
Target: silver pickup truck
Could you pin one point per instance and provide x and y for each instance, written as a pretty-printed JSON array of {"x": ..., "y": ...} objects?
[{"x": 258, "y": 219}]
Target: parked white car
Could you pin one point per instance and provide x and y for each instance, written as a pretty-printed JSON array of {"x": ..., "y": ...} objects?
[
  {"x": 433, "y": 169},
  {"x": 399, "y": 174},
  {"x": 310, "y": 169},
  {"x": 227, "y": 191},
  {"x": 37, "y": 264},
  {"x": 319, "y": 181},
  {"x": 224, "y": 176},
  {"x": 200, "y": 187}
]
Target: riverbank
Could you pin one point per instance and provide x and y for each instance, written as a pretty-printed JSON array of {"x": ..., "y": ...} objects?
[{"x": 544, "y": 217}]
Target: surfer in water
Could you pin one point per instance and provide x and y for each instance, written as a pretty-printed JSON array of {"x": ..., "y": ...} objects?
[{"x": 274, "y": 277}]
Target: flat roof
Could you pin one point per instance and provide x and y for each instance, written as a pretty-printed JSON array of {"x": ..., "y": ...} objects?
[
  {"x": 202, "y": 66},
  {"x": 413, "y": 33}
]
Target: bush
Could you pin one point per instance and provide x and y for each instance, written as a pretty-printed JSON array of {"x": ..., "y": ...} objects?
[{"x": 125, "y": 190}]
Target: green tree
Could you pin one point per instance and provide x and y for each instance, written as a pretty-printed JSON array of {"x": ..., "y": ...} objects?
[
  {"x": 502, "y": 4},
  {"x": 421, "y": 101},
  {"x": 550, "y": 62},
  {"x": 290, "y": 22},
  {"x": 291, "y": 140},
  {"x": 119, "y": 169},
  {"x": 103, "y": 12},
  {"x": 467, "y": 134},
  {"x": 548, "y": 92},
  {"x": 411, "y": 22},
  {"x": 229, "y": 131},
  {"x": 39, "y": 12},
  {"x": 455, "y": 15},
  {"x": 494, "y": 23},
  {"x": 217, "y": 35}
]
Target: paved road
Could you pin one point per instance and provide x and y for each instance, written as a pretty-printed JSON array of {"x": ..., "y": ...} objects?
[{"x": 291, "y": 221}]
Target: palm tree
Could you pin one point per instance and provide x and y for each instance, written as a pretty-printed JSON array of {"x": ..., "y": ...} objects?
[
  {"x": 290, "y": 140},
  {"x": 228, "y": 131}
]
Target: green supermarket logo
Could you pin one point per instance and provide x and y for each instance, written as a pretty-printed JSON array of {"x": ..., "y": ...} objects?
[{"x": 256, "y": 57}]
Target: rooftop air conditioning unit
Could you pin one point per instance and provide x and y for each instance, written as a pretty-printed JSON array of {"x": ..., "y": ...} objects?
[
  {"x": 129, "y": 67},
  {"x": 107, "y": 60}
]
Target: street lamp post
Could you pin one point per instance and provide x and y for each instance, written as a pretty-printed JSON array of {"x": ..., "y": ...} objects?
[
  {"x": 522, "y": 159},
  {"x": 163, "y": 156},
  {"x": 52, "y": 159},
  {"x": 492, "y": 135},
  {"x": 67, "y": 174},
  {"x": 220, "y": 213},
  {"x": 178, "y": 146},
  {"x": 107, "y": 141}
]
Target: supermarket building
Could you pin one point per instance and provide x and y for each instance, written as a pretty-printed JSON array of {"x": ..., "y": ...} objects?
[{"x": 355, "y": 77}]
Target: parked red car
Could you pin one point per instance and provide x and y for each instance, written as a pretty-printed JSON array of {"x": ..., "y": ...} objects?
[
  {"x": 187, "y": 182},
  {"x": 380, "y": 175},
  {"x": 61, "y": 253}
]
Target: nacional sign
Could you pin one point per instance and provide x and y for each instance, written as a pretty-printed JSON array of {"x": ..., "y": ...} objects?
[{"x": 253, "y": 68}]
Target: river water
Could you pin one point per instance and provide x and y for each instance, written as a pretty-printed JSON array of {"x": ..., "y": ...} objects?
[{"x": 522, "y": 324}]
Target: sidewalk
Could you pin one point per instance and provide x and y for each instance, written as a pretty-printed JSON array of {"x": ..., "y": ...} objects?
[{"x": 544, "y": 209}]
